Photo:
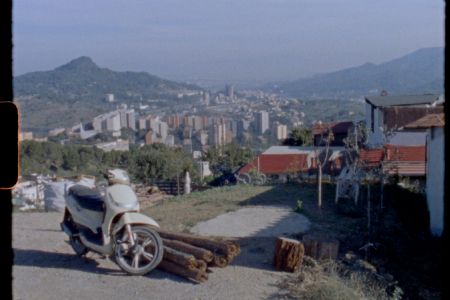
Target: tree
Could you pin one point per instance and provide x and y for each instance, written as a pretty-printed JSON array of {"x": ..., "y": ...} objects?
[
  {"x": 322, "y": 155},
  {"x": 128, "y": 134},
  {"x": 227, "y": 158},
  {"x": 159, "y": 162},
  {"x": 70, "y": 159},
  {"x": 299, "y": 137}
]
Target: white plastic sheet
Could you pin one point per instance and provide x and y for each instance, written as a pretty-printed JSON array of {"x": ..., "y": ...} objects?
[
  {"x": 54, "y": 192},
  {"x": 54, "y": 195}
]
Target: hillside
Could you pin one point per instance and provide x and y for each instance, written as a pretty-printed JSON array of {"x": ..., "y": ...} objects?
[
  {"x": 419, "y": 72},
  {"x": 75, "y": 91}
]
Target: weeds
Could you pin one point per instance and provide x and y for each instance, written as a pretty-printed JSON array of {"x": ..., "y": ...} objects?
[
  {"x": 334, "y": 280},
  {"x": 299, "y": 207}
]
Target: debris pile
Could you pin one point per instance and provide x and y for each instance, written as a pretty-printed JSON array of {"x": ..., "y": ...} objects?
[
  {"x": 192, "y": 256},
  {"x": 149, "y": 196}
]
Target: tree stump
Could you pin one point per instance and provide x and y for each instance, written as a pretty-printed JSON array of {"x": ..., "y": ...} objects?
[
  {"x": 288, "y": 254},
  {"x": 320, "y": 247}
]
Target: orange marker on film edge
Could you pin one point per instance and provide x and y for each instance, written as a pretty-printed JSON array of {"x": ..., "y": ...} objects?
[{"x": 18, "y": 142}]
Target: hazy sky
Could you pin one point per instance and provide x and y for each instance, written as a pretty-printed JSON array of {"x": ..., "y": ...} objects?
[{"x": 223, "y": 40}]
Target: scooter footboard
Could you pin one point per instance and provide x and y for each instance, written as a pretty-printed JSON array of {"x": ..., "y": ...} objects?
[{"x": 133, "y": 218}]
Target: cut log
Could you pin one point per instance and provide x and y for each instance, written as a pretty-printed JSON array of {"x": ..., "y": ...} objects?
[
  {"x": 180, "y": 258},
  {"x": 198, "y": 252},
  {"x": 192, "y": 274},
  {"x": 223, "y": 247},
  {"x": 219, "y": 261},
  {"x": 202, "y": 265},
  {"x": 321, "y": 247},
  {"x": 288, "y": 254}
]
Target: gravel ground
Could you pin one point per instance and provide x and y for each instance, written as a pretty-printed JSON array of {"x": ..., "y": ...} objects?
[{"x": 46, "y": 268}]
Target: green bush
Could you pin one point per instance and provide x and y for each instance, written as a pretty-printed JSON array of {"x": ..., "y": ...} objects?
[{"x": 299, "y": 206}]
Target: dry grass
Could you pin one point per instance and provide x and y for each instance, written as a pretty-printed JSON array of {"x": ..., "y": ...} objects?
[
  {"x": 182, "y": 212},
  {"x": 333, "y": 280}
]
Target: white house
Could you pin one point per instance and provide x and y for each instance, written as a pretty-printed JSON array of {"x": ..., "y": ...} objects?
[
  {"x": 434, "y": 124},
  {"x": 390, "y": 113}
]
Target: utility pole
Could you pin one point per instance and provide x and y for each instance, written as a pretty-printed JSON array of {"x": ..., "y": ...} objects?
[{"x": 178, "y": 180}]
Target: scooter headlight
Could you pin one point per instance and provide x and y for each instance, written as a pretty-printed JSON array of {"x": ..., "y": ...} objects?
[{"x": 122, "y": 196}]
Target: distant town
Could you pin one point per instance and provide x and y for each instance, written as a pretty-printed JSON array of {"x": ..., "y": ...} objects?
[{"x": 248, "y": 117}]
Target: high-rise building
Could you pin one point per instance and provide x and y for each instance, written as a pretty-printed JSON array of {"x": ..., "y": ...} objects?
[
  {"x": 280, "y": 131},
  {"x": 187, "y": 132},
  {"x": 242, "y": 126},
  {"x": 26, "y": 136},
  {"x": 205, "y": 122},
  {"x": 113, "y": 122},
  {"x": 170, "y": 140},
  {"x": 197, "y": 123},
  {"x": 99, "y": 123},
  {"x": 203, "y": 138},
  {"x": 109, "y": 97},
  {"x": 218, "y": 135},
  {"x": 163, "y": 129},
  {"x": 153, "y": 124},
  {"x": 187, "y": 145},
  {"x": 131, "y": 120},
  {"x": 174, "y": 121},
  {"x": 150, "y": 137},
  {"x": 232, "y": 127},
  {"x": 262, "y": 122},
  {"x": 206, "y": 98},
  {"x": 188, "y": 121},
  {"x": 123, "y": 118},
  {"x": 229, "y": 90},
  {"x": 142, "y": 123}
]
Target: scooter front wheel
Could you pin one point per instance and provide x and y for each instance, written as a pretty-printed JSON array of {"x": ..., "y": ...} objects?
[{"x": 143, "y": 255}]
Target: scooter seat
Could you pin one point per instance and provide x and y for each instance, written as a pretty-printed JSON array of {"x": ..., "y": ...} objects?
[{"x": 87, "y": 198}]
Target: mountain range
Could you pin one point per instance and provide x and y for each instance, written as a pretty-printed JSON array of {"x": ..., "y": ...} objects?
[
  {"x": 419, "y": 72},
  {"x": 76, "y": 91}
]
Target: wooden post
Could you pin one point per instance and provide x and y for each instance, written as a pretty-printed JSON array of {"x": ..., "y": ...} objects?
[
  {"x": 288, "y": 254},
  {"x": 320, "y": 247},
  {"x": 319, "y": 187}
]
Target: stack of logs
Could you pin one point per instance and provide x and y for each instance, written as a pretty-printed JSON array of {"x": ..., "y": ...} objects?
[{"x": 191, "y": 256}]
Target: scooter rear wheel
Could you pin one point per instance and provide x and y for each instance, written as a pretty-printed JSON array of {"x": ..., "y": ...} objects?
[{"x": 144, "y": 255}]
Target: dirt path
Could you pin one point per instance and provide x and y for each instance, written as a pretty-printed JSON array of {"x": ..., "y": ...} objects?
[
  {"x": 46, "y": 268},
  {"x": 255, "y": 221}
]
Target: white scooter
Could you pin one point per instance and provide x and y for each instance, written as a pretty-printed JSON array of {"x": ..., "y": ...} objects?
[{"x": 110, "y": 224}]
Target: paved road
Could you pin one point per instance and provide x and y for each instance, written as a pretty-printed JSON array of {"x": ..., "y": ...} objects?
[{"x": 46, "y": 268}]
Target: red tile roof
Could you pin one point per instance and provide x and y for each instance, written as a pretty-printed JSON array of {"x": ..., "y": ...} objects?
[
  {"x": 430, "y": 120},
  {"x": 336, "y": 127},
  {"x": 401, "y": 160},
  {"x": 405, "y": 153},
  {"x": 277, "y": 164},
  {"x": 405, "y": 168},
  {"x": 371, "y": 157}
]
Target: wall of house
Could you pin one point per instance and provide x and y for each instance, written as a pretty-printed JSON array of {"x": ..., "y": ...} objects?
[
  {"x": 435, "y": 179},
  {"x": 375, "y": 136},
  {"x": 406, "y": 138}
]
